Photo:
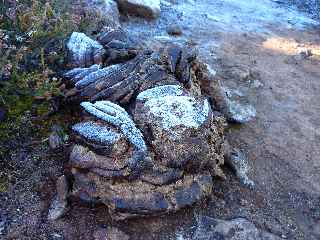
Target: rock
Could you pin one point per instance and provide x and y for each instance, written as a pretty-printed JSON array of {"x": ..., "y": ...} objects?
[
  {"x": 98, "y": 14},
  {"x": 55, "y": 141},
  {"x": 127, "y": 199},
  {"x": 234, "y": 229},
  {"x": 149, "y": 186},
  {"x": 59, "y": 205},
  {"x": 239, "y": 113},
  {"x": 3, "y": 223},
  {"x": 63, "y": 188},
  {"x": 57, "y": 209},
  {"x": 120, "y": 82},
  {"x": 83, "y": 51},
  {"x": 159, "y": 156},
  {"x": 239, "y": 163},
  {"x": 232, "y": 103},
  {"x": 110, "y": 233},
  {"x": 118, "y": 153},
  {"x": 142, "y": 8},
  {"x": 174, "y": 29},
  {"x": 119, "y": 47},
  {"x": 56, "y": 138},
  {"x": 183, "y": 132}
]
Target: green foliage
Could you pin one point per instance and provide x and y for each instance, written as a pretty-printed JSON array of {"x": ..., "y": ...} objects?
[{"x": 32, "y": 35}]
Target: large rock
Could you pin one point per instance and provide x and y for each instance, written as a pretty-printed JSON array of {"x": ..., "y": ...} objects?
[
  {"x": 122, "y": 82},
  {"x": 234, "y": 107},
  {"x": 141, "y": 8},
  {"x": 160, "y": 155},
  {"x": 234, "y": 229},
  {"x": 180, "y": 128},
  {"x": 97, "y": 14},
  {"x": 83, "y": 51}
]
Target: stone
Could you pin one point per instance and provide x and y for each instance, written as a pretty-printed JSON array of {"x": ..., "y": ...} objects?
[
  {"x": 109, "y": 233},
  {"x": 237, "y": 160},
  {"x": 3, "y": 223},
  {"x": 134, "y": 181},
  {"x": 183, "y": 131},
  {"x": 174, "y": 30},
  {"x": 234, "y": 229},
  {"x": 142, "y": 8},
  {"x": 83, "y": 51},
  {"x": 238, "y": 112},
  {"x": 55, "y": 141},
  {"x": 128, "y": 199},
  {"x": 119, "y": 47},
  {"x": 59, "y": 205},
  {"x": 148, "y": 143},
  {"x": 119, "y": 145},
  {"x": 98, "y": 14},
  {"x": 120, "y": 82},
  {"x": 57, "y": 209}
]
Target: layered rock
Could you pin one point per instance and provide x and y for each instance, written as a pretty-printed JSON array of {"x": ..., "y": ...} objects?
[
  {"x": 119, "y": 83},
  {"x": 112, "y": 164},
  {"x": 180, "y": 128},
  {"x": 161, "y": 154}
]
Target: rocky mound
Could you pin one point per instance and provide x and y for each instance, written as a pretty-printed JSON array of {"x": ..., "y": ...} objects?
[{"x": 149, "y": 141}]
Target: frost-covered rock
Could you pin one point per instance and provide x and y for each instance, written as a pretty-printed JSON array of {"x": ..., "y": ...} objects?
[
  {"x": 239, "y": 112},
  {"x": 141, "y": 8},
  {"x": 238, "y": 161},
  {"x": 234, "y": 229},
  {"x": 110, "y": 233},
  {"x": 159, "y": 156},
  {"x": 59, "y": 206},
  {"x": 83, "y": 51},
  {"x": 183, "y": 132},
  {"x": 161, "y": 91},
  {"x": 102, "y": 13},
  {"x": 111, "y": 164},
  {"x": 119, "y": 146}
]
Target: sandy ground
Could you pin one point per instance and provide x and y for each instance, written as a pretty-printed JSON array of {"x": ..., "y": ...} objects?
[{"x": 282, "y": 143}]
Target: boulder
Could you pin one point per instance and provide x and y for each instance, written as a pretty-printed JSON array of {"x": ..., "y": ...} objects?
[
  {"x": 142, "y": 8},
  {"x": 180, "y": 128},
  {"x": 112, "y": 164}
]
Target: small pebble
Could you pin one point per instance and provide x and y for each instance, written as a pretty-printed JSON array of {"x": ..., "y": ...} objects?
[{"x": 174, "y": 29}]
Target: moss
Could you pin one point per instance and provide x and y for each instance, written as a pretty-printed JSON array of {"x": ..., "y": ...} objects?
[{"x": 42, "y": 27}]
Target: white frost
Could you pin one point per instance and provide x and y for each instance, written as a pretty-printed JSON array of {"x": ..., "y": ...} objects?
[
  {"x": 182, "y": 111},
  {"x": 96, "y": 132},
  {"x": 161, "y": 91}
]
